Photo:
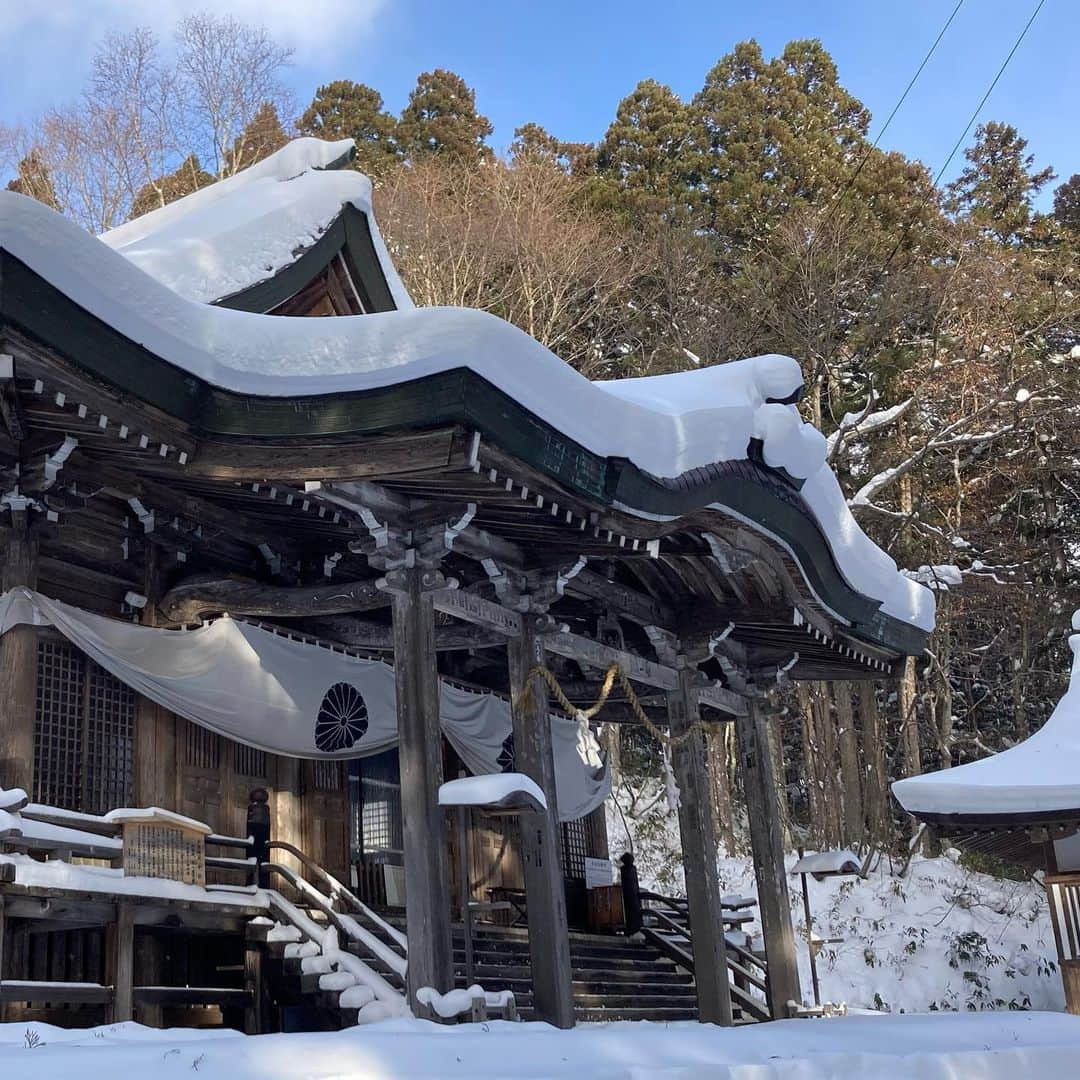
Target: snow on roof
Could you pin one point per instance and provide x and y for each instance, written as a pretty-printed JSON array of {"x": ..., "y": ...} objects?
[
  {"x": 493, "y": 789},
  {"x": 155, "y": 814},
  {"x": 825, "y": 863},
  {"x": 666, "y": 425},
  {"x": 56, "y": 874},
  {"x": 224, "y": 238},
  {"x": 12, "y": 798},
  {"x": 1039, "y": 775}
]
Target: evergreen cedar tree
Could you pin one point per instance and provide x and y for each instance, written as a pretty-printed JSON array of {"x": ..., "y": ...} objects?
[
  {"x": 996, "y": 188},
  {"x": 1067, "y": 204},
  {"x": 348, "y": 110},
  {"x": 441, "y": 118},
  {"x": 189, "y": 177},
  {"x": 32, "y": 178}
]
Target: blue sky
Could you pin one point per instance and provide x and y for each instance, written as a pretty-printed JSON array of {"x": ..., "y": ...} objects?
[{"x": 566, "y": 63}]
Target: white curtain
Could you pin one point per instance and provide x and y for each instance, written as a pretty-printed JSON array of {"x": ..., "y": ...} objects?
[{"x": 298, "y": 699}]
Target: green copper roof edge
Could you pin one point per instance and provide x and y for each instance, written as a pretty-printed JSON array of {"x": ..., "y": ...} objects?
[
  {"x": 348, "y": 234},
  {"x": 453, "y": 397}
]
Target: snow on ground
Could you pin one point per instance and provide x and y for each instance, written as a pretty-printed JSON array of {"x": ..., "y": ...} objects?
[
  {"x": 989, "y": 1047},
  {"x": 943, "y": 937}
]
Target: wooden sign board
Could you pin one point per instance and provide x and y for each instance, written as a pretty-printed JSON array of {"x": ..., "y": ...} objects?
[
  {"x": 598, "y": 873},
  {"x": 159, "y": 844}
]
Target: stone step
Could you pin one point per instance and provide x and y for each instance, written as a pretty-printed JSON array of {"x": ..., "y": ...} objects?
[
  {"x": 622, "y": 976},
  {"x": 600, "y": 1016},
  {"x": 617, "y": 957}
]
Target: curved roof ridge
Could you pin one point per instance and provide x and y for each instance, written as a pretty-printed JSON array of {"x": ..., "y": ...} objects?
[
  {"x": 667, "y": 428},
  {"x": 225, "y": 238}
]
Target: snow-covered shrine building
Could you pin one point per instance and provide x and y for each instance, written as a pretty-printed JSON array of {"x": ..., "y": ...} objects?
[
  {"x": 337, "y": 561},
  {"x": 1023, "y": 805}
]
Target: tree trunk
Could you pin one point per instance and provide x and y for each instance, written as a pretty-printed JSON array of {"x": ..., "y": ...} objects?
[
  {"x": 811, "y": 769},
  {"x": 874, "y": 790},
  {"x": 907, "y": 702},
  {"x": 849, "y": 764}
]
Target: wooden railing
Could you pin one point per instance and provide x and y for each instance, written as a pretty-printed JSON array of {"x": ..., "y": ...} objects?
[{"x": 666, "y": 926}]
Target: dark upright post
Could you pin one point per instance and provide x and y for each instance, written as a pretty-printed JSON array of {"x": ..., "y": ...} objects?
[
  {"x": 123, "y": 962},
  {"x": 18, "y": 662},
  {"x": 258, "y": 829},
  {"x": 697, "y": 830},
  {"x": 255, "y": 1012},
  {"x": 631, "y": 893},
  {"x": 427, "y": 880},
  {"x": 549, "y": 940},
  {"x": 774, "y": 904}
]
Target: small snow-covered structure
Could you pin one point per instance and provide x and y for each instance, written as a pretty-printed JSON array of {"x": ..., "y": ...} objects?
[
  {"x": 1033, "y": 784},
  {"x": 433, "y": 519},
  {"x": 1023, "y": 804}
]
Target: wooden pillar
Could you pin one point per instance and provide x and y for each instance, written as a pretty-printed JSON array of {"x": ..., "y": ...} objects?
[
  {"x": 697, "y": 829},
  {"x": 549, "y": 940},
  {"x": 255, "y": 1013},
  {"x": 149, "y": 964},
  {"x": 3, "y": 952},
  {"x": 427, "y": 877},
  {"x": 774, "y": 904},
  {"x": 18, "y": 663},
  {"x": 123, "y": 962},
  {"x": 155, "y": 728},
  {"x": 288, "y": 817}
]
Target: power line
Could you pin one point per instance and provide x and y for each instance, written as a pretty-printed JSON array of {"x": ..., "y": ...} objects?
[
  {"x": 896, "y": 108},
  {"x": 904, "y": 232},
  {"x": 963, "y": 134},
  {"x": 989, "y": 91},
  {"x": 839, "y": 198}
]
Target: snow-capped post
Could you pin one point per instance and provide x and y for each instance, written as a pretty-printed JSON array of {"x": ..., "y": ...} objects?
[
  {"x": 767, "y": 844},
  {"x": 18, "y": 656},
  {"x": 698, "y": 833},
  {"x": 549, "y": 939},
  {"x": 427, "y": 877}
]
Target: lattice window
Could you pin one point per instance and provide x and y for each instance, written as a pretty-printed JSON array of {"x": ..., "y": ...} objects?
[
  {"x": 574, "y": 849},
  {"x": 202, "y": 748},
  {"x": 247, "y": 761},
  {"x": 380, "y": 818},
  {"x": 327, "y": 775},
  {"x": 84, "y": 732},
  {"x": 110, "y": 741}
]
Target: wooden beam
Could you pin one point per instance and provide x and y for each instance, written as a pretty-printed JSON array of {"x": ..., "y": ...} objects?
[
  {"x": 592, "y": 654},
  {"x": 726, "y": 701},
  {"x": 698, "y": 832},
  {"x": 549, "y": 941},
  {"x": 766, "y": 841},
  {"x": 475, "y": 609},
  {"x": 368, "y": 634},
  {"x": 191, "y": 601},
  {"x": 427, "y": 878},
  {"x": 634, "y": 605},
  {"x": 376, "y": 455}
]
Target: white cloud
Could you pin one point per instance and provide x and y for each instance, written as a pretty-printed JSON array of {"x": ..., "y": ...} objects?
[{"x": 313, "y": 28}]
